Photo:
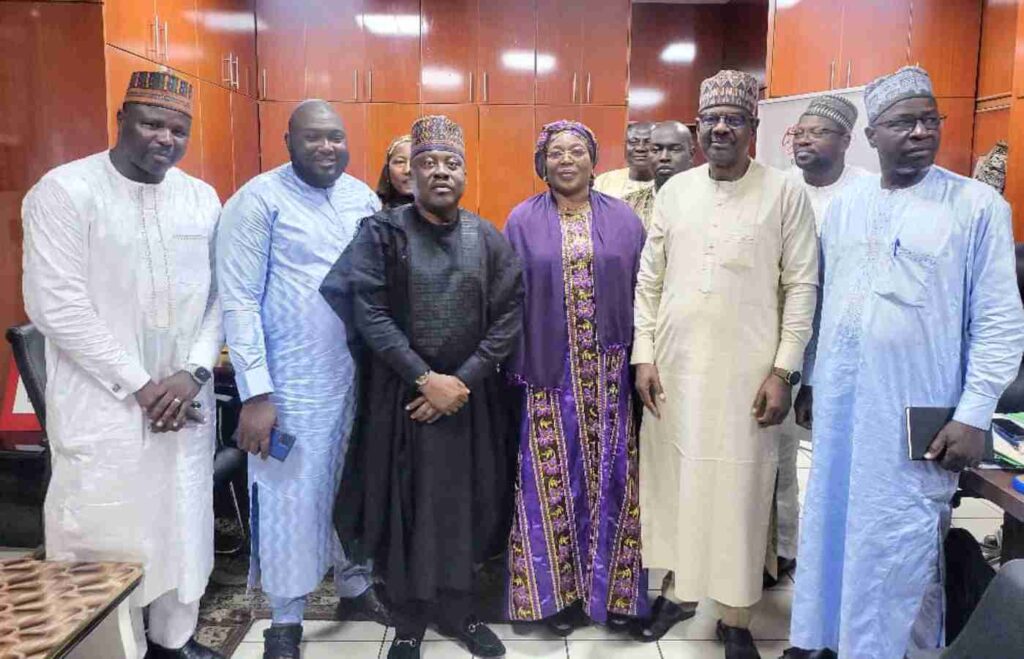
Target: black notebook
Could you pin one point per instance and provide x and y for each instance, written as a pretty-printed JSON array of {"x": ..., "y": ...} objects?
[{"x": 925, "y": 423}]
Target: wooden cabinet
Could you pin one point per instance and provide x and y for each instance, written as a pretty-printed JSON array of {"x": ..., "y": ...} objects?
[
  {"x": 245, "y": 139},
  {"x": 355, "y": 117},
  {"x": 131, "y": 25},
  {"x": 335, "y": 50},
  {"x": 273, "y": 117},
  {"x": 805, "y": 46},
  {"x": 226, "y": 38},
  {"x": 875, "y": 40},
  {"x": 957, "y": 134},
  {"x": 559, "y": 51},
  {"x": 391, "y": 29},
  {"x": 281, "y": 46},
  {"x": 160, "y": 30},
  {"x": 385, "y": 122},
  {"x": 998, "y": 40},
  {"x": 120, "y": 66},
  {"x": 609, "y": 126},
  {"x": 507, "y": 52},
  {"x": 178, "y": 33},
  {"x": 449, "y": 51},
  {"x": 944, "y": 40},
  {"x": 215, "y": 136},
  {"x": 605, "y": 69},
  {"x": 505, "y": 159}
]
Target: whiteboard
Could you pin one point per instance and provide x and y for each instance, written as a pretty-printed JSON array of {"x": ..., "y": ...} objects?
[{"x": 778, "y": 114}]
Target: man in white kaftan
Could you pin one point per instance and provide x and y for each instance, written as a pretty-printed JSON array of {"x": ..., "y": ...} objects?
[
  {"x": 920, "y": 307},
  {"x": 639, "y": 174},
  {"x": 820, "y": 140},
  {"x": 724, "y": 304},
  {"x": 280, "y": 235},
  {"x": 119, "y": 279}
]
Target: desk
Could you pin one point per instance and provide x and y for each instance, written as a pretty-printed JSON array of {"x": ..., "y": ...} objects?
[
  {"x": 995, "y": 486},
  {"x": 54, "y": 609}
]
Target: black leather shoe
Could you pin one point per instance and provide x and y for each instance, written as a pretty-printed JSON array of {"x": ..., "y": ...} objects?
[
  {"x": 566, "y": 621},
  {"x": 787, "y": 566},
  {"x": 798, "y": 653},
  {"x": 404, "y": 648},
  {"x": 665, "y": 614},
  {"x": 191, "y": 650},
  {"x": 367, "y": 606},
  {"x": 282, "y": 642},
  {"x": 739, "y": 644},
  {"x": 478, "y": 638}
]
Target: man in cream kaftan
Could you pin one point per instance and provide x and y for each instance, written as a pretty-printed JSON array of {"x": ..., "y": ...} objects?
[
  {"x": 118, "y": 278},
  {"x": 725, "y": 298}
]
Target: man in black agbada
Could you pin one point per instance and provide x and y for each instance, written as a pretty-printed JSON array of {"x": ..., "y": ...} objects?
[{"x": 431, "y": 296}]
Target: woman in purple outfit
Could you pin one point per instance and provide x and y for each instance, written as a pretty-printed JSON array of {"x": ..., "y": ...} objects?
[{"x": 574, "y": 550}]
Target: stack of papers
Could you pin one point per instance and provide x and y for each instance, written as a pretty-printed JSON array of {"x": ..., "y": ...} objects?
[{"x": 1009, "y": 446}]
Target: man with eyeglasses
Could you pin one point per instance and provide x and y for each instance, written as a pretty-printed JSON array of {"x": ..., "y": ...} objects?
[
  {"x": 671, "y": 152},
  {"x": 820, "y": 140},
  {"x": 920, "y": 307},
  {"x": 724, "y": 304},
  {"x": 639, "y": 174}
]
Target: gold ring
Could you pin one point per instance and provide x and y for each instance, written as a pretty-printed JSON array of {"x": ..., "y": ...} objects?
[{"x": 176, "y": 401}]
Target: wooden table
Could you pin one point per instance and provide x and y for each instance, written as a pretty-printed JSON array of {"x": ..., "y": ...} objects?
[
  {"x": 995, "y": 485},
  {"x": 51, "y": 609}
]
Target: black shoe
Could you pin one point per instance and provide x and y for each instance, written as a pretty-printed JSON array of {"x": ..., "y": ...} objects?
[
  {"x": 786, "y": 566},
  {"x": 566, "y": 621},
  {"x": 478, "y": 638},
  {"x": 665, "y": 614},
  {"x": 797, "y": 653},
  {"x": 619, "y": 623},
  {"x": 367, "y": 606},
  {"x": 405, "y": 648},
  {"x": 191, "y": 650},
  {"x": 282, "y": 642},
  {"x": 739, "y": 644}
]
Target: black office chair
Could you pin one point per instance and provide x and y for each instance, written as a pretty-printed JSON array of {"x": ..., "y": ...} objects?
[
  {"x": 1012, "y": 399},
  {"x": 29, "y": 347}
]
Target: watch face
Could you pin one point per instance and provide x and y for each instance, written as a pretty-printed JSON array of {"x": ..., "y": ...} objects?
[
  {"x": 202, "y": 374},
  {"x": 794, "y": 378}
]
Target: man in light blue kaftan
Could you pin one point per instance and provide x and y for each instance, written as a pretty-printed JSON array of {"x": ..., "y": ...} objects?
[
  {"x": 920, "y": 307},
  {"x": 280, "y": 235}
]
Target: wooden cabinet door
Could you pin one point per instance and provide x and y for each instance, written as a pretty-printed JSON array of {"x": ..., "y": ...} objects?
[
  {"x": 217, "y": 142},
  {"x": 335, "y": 50},
  {"x": 448, "y": 47},
  {"x": 875, "y": 40},
  {"x": 178, "y": 34},
  {"x": 507, "y": 139},
  {"x": 385, "y": 122},
  {"x": 245, "y": 139},
  {"x": 391, "y": 29},
  {"x": 466, "y": 116},
  {"x": 957, "y": 135},
  {"x": 214, "y": 41},
  {"x": 805, "y": 47},
  {"x": 507, "y": 52},
  {"x": 281, "y": 47},
  {"x": 560, "y": 48},
  {"x": 944, "y": 40},
  {"x": 609, "y": 126},
  {"x": 243, "y": 46},
  {"x": 130, "y": 25},
  {"x": 605, "y": 67},
  {"x": 354, "y": 116},
  {"x": 273, "y": 126}
]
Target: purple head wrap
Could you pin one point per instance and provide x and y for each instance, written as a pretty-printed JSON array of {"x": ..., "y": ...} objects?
[{"x": 554, "y": 128}]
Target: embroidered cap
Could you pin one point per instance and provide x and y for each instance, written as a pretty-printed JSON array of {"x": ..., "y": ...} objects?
[
  {"x": 836, "y": 108},
  {"x": 884, "y": 92},
  {"x": 437, "y": 133},
  {"x": 163, "y": 90},
  {"x": 727, "y": 87},
  {"x": 548, "y": 132}
]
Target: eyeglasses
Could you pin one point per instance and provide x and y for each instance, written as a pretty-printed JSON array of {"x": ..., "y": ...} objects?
[
  {"x": 731, "y": 120},
  {"x": 908, "y": 124},
  {"x": 577, "y": 153},
  {"x": 816, "y": 133}
]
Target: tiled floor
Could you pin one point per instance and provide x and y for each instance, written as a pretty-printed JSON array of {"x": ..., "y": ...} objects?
[{"x": 693, "y": 639}]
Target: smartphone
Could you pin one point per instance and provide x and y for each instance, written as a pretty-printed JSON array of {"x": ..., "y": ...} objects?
[
  {"x": 1011, "y": 430},
  {"x": 281, "y": 444}
]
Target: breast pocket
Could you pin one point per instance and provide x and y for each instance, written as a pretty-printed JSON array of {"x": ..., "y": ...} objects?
[
  {"x": 738, "y": 247},
  {"x": 192, "y": 259},
  {"x": 909, "y": 277}
]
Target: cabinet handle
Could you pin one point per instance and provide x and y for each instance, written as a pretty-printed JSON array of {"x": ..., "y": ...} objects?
[
  {"x": 470, "y": 86},
  {"x": 355, "y": 84},
  {"x": 228, "y": 80},
  {"x": 588, "y": 87},
  {"x": 155, "y": 50},
  {"x": 831, "y": 74},
  {"x": 574, "y": 80},
  {"x": 167, "y": 50},
  {"x": 266, "y": 92},
  {"x": 849, "y": 72},
  {"x": 486, "y": 93},
  {"x": 237, "y": 74},
  {"x": 369, "y": 84}
]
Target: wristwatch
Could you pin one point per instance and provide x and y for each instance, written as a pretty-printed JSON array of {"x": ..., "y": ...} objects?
[
  {"x": 422, "y": 380},
  {"x": 792, "y": 378},
  {"x": 200, "y": 374}
]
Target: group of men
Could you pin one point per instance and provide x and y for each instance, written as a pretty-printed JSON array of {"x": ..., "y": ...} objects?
[{"x": 135, "y": 284}]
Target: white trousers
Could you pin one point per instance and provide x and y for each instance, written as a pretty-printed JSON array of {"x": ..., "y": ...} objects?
[
  {"x": 787, "y": 493},
  {"x": 171, "y": 622}
]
